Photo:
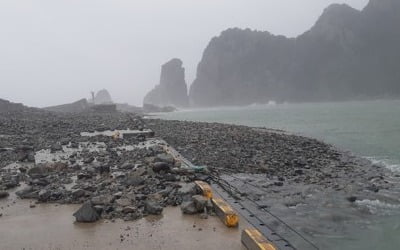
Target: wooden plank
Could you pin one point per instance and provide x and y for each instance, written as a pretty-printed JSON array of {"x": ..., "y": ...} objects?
[
  {"x": 252, "y": 239},
  {"x": 205, "y": 189},
  {"x": 228, "y": 216}
]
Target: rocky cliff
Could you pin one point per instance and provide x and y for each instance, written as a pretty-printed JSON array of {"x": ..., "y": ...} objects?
[
  {"x": 348, "y": 54},
  {"x": 172, "y": 90}
]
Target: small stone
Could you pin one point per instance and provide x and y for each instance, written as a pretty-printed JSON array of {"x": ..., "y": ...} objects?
[
  {"x": 128, "y": 210},
  {"x": 78, "y": 193},
  {"x": 167, "y": 158},
  {"x": 352, "y": 198},
  {"x": 123, "y": 202},
  {"x": 4, "y": 194}
]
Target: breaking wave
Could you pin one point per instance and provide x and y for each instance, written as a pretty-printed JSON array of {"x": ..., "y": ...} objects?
[
  {"x": 385, "y": 163},
  {"x": 379, "y": 207}
]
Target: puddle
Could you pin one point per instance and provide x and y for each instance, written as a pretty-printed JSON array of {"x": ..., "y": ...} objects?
[{"x": 48, "y": 226}]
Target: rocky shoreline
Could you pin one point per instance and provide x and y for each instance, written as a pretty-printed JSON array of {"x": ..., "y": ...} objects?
[
  {"x": 117, "y": 173},
  {"x": 47, "y": 157}
]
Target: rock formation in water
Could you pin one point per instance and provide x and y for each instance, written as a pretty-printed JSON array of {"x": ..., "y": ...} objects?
[
  {"x": 172, "y": 90},
  {"x": 103, "y": 97},
  {"x": 75, "y": 107},
  {"x": 348, "y": 54}
]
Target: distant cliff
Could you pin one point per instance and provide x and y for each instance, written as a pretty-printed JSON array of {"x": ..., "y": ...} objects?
[
  {"x": 172, "y": 90},
  {"x": 348, "y": 54}
]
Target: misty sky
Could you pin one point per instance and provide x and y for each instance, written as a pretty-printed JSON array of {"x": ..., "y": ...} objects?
[{"x": 57, "y": 51}]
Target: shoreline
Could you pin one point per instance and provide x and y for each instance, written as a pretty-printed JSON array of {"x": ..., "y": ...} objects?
[{"x": 289, "y": 174}]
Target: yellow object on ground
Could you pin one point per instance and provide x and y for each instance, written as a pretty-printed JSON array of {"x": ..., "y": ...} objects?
[
  {"x": 205, "y": 189},
  {"x": 252, "y": 239},
  {"x": 225, "y": 212}
]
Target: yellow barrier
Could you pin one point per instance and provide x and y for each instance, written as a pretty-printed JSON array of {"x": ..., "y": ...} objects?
[
  {"x": 205, "y": 189},
  {"x": 252, "y": 239},
  {"x": 225, "y": 212}
]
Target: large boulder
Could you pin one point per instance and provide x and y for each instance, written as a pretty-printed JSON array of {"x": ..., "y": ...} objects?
[
  {"x": 87, "y": 213},
  {"x": 172, "y": 90}
]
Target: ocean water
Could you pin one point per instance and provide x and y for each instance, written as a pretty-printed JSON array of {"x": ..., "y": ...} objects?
[{"x": 369, "y": 129}]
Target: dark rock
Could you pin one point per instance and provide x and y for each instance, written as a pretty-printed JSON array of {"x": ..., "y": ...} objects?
[
  {"x": 134, "y": 180},
  {"x": 373, "y": 188},
  {"x": 44, "y": 195},
  {"x": 189, "y": 207},
  {"x": 102, "y": 200},
  {"x": 56, "y": 147},
  {"x": 167, "y": 158},
  {"x": 87, "y": 213},
  {"x": 123, "y": 202},
  {"x": 78, "y": 193},
  {"x": 4, "y": 194},
  {"x": 28, "y": 193},
  {"x": 200, "y": 202},
  {"x": 351, "y": 198},
  {"x": 128, "y": 165},
  {"x": 128, "y": 210},
  {"x": 161, "y": 166},
  {"x": 81, "y": 176},
  {"x": 152, "y": 207},
  {"x": 88, "y": 160},
  {"x": 298, "y": 172},
  {"x": 38, "y": 171}
]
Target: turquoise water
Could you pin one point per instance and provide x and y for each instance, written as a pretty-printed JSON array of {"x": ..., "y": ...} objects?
[{"x": 369, "y": 129}]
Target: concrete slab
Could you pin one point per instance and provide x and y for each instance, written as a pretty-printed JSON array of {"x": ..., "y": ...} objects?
[{"x": 48, "y": 226}]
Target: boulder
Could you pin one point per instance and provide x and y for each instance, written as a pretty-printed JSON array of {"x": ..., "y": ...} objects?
[
  {"x": 200, "y": 202},
  {"x": 189, "y": 207},
  {"x": 4, "y": 194},
  {"x": 153, "y": 207},
  {"x": 87, "y": 213},
  {"x": 161, "y": 166}
]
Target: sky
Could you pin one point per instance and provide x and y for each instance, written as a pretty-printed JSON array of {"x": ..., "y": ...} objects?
[{"x": 57, "y": 51}]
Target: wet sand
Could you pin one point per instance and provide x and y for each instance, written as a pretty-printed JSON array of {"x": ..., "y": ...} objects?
[{"x": 50, "y": 226}]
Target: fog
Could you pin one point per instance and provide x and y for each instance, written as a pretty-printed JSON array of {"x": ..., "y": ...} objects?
[{"x": 54, "y": 52}]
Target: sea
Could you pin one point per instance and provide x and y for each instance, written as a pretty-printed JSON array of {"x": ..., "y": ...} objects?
[{"x": 369, "y": 129}]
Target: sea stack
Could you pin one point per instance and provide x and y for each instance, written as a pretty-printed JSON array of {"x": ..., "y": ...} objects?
[
  {"x": 103, "y": 97},
  {"x": 172, "y": 90}
]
